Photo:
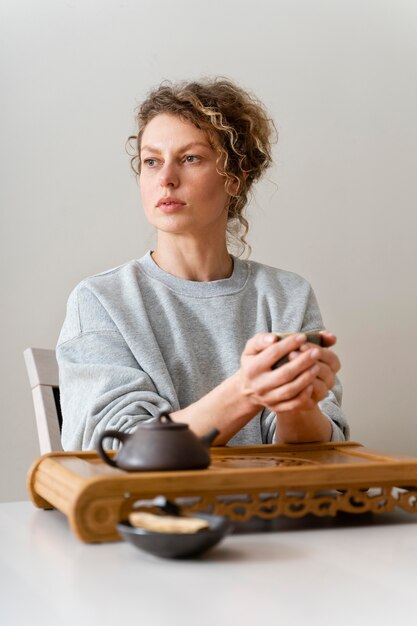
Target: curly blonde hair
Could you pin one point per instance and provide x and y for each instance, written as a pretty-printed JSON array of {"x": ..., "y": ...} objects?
[{"x": 237, "y": 125}]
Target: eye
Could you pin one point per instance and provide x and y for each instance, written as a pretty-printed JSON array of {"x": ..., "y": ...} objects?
[
  {"x": 191, "y": 158},
  {"x": 150, "y": 162}
]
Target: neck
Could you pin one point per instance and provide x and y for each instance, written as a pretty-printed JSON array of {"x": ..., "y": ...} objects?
[{"x": 193, "y": 260}]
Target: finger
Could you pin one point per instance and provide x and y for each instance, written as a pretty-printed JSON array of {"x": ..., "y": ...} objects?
[
  {"x": 293, "y": 388},
  {"x": 329, "y": 339},
  {"x": 291, "y": 370},
  {"x": 287, "y": 381},
  {"x": 304, "y": 401},
  {"x": 258, "y": 343},
  {"x": 325, "y": 355},
  {"x": 265, "y": 379},
  {"x": 326, "y": 375},
  {"x": 320, "y": 390},
  {"x": 326, "y": 371},
  {"x": 267, "y": 357},
  {"x": 330, "y": 359}
]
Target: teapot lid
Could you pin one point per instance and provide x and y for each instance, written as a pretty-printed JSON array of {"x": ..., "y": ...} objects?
[{"x": 163, "y": 422}]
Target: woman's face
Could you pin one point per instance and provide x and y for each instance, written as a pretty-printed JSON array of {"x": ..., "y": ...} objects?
[{"x": 181, "y": 190}]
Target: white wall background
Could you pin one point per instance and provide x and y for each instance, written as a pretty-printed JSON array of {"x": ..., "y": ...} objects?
[{"x": 339, "y": 207}]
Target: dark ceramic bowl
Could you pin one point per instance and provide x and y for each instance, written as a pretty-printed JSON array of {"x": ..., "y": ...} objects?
[{"x": 177, "y": 545}]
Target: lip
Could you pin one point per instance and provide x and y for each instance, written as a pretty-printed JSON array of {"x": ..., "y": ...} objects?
[{"x": 169, "y": 203}]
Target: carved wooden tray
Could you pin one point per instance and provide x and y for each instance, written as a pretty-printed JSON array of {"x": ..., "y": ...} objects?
[{"x": 242, "y": 481}]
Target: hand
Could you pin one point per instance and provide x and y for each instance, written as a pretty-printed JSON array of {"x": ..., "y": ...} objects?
[
  {"x": 328, "y": 362},
  {"x": 289, "y": 387}
]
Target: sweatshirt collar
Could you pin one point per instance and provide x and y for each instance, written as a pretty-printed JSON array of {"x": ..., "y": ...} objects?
[{"x": 224, "y": 286}]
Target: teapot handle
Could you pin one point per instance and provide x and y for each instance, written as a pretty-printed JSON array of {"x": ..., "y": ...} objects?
[{"x": 109, "y": 433}]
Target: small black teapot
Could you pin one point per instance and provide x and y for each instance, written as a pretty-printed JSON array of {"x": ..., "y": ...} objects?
[{"x": 159, "y": 445}]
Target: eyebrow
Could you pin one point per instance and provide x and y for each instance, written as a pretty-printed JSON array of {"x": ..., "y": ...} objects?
[{"x": 182, "y": 149}]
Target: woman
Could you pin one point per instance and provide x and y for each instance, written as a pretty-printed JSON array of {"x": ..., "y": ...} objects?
[{"x": 188, "y": 329}]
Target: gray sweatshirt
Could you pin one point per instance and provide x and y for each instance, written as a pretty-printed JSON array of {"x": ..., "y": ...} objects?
[{"x": 138, "y": 341}]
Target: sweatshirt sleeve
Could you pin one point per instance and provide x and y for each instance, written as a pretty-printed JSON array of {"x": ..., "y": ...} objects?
[{"x": 102, "y": 385}]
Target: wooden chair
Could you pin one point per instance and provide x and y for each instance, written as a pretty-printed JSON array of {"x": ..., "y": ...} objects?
[{"x": 42, "y": 369}]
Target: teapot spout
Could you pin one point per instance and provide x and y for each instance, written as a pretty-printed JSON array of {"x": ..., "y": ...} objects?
[{"x": 209, "y": 437}]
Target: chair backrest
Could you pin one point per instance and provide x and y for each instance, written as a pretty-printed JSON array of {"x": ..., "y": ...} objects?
[{"x": 42, "y": 369}]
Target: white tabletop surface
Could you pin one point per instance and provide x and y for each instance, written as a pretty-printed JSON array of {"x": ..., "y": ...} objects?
[{"x": 356, "y": 570}]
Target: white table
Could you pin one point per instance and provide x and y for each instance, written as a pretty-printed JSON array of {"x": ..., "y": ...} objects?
[{"x": 359, "y": 570}]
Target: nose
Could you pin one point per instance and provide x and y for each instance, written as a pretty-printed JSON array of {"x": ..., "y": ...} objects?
[{"x": 168, "y": 175}]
